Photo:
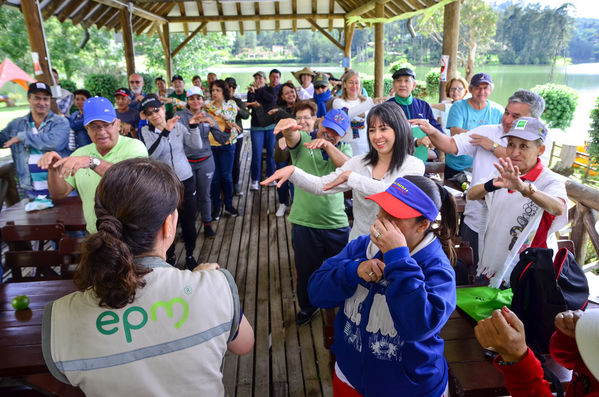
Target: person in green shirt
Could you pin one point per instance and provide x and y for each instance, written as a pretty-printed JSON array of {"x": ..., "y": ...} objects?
[
  {"x": 177, "y": 100},
  {"x": 320, "y": 226},
  {"x": 85, "y": 167}
]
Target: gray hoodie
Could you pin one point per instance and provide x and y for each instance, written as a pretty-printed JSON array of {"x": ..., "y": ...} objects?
[
  {"x": 205, "y": 130},
  {"x": 168, "y": 147}
]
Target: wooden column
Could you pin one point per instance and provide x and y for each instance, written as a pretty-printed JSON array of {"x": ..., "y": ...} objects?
[
  {"x": 379, "y": 50},
  {"x": 128, "y": 40},
  {"x": 163, "y": 34},
  {"x": 33, "y": 23},
  {"x": 451, "y": 32},
  {"x": 348, "y": 36}
]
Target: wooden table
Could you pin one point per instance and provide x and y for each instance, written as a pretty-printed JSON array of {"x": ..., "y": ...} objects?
[{"x": 68, "y": 210}]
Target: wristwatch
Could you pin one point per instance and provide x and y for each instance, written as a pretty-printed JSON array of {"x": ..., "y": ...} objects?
[
  {"x": 94, "y": 162},
  {"x": 495, "y": 146}
]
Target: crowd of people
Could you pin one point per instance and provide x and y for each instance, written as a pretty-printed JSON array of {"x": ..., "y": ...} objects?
[{"x": 177, "y": 152}]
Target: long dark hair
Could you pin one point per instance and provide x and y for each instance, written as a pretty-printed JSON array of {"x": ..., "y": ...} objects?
[
  {"x": 392, "y": 115},
  {"x": 280, "y": 101},
  {"x": 132, "y": 201},
  {"x": 223, "y": 86},
  {"x": 446, "y": 228}
]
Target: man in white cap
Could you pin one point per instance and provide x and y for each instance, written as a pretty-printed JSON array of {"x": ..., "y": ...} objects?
[
  {"x": 34, "y": 134},
  {"x": 526, "y": 202},
  {"x": 84, "y": 168}
]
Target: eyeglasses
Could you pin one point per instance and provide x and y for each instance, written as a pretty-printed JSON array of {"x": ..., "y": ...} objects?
[
  {"x": 95, "y": 128},
  {"x": 135, "y": 81},
  {"x": 304, "y": 118},
  {"x": 150, "y": 112},
  {"x": 456, "y": 89},
  {"x": 321, "y": 87}
]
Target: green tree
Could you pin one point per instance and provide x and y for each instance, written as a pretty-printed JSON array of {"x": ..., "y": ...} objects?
[{"x": 477, "y": 27}]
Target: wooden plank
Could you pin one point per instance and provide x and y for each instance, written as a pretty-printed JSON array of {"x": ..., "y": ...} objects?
[
  {"x": 82, "y": 13},
  {"x": 257, "y": 12},
  {"x": 238, "y": 5},
  {"x": 33, "y": 24},
  {"x": 201, "y": 13},
  {"x": 331, "y": 11},
  {"x": 277, "y": 22},
  {"x": 182, "y": 11},
  {"x": 49, "y": 9},
  {"x": 294, "y": 11},
  {"x": 67, "y": 10},
  {"x": 125, "y": 18},
  {"x": 219, "y": 8},
  {"x": 589, "y": 222},
  {"x": 188, "y": 39},
  {"x": 322, "y": 355},
  {"x": 106, "y": 17},
  {"x": 95, "y": 16}
]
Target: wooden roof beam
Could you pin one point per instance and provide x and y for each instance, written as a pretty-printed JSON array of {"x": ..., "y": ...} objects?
[
  {"x": 182, "y": 11},
  {"x": 314, "y": 11},
  {"x": 365, "y": 8},
  {"x": 294, "y": 11},
  {"x": 82, "y": 13},
  {"x": 219, "y": 7},
  {"x": 48, "y": 10},
  {"x": 239, "y": 13},
  {"x": 277, "y": 22},
  {"x": 163, "y": 9},
  {"x": 139, "y": 23},
  {"x": 94, "y": 16},
  {"x": 67, "y": 10},
  {"x": 107, "y": 17},
  {"x": 187, "y": 39},
  {"x": 140, "y": 12},
  {"x": 257, "y": 12},
  {"x": 270, "y": 17},
  {"x": 325, "y": 33},
  {"x": 331, "y": 11},
  {"x": 201, "y": 12}
]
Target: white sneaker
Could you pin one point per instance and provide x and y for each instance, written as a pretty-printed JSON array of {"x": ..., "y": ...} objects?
[
  {"x": 281, "y": 210},
  {"x": 254, "y": 186}
]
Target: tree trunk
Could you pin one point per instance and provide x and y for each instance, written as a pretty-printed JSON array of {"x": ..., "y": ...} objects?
[{"x": 471, "y": 57}]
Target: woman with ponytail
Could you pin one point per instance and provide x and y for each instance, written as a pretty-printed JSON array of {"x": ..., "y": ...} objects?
[
  {"x": 395, "y": 289},
  {"x": 138, "y": 325}
]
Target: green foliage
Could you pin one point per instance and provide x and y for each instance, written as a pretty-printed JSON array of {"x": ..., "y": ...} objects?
[
  {"x": 68, "y": 85},
  {"x": 148, "y": 82},
  {"x": 584, "y": 45},
  {"x": 593, "y": 144},
  {"x": 102, "y": 84},
  {"x": 420, "y": 90},
  {"x": 432, "y": 79},
  {"x": 368, "y": 84},
  {"x": 401, "y": 63},
  {"x": 560, "y": 104}
]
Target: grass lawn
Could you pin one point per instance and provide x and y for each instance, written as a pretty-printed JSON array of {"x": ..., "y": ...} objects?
[{"x": 7, "y": 114}]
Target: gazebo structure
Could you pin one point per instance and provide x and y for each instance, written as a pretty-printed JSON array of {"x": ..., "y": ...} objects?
[{"x": 163, "y": 17}]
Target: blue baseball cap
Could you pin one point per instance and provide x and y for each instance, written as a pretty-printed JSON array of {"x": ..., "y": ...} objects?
[
  {"x": 480, "y": 78},
  {"x": 98, "y": 108},
  {"x": 404, "y": 200},
  {"x": 337, "y": 120}
]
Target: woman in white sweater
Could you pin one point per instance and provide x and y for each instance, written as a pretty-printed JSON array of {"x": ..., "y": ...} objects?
[{"x": 389, "y": 157}]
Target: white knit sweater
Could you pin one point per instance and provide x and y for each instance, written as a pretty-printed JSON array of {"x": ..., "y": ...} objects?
[{"x": 361, "y": 182}]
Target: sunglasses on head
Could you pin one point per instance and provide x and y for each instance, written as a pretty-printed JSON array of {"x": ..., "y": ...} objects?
[{"x": 150, "y": 112}]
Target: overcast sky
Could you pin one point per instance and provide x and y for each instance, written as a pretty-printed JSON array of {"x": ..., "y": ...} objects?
[{"x": 584, "y": 8}]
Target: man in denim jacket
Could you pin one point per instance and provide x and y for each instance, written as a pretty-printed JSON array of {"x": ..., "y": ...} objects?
[{"x": 30, "y": 136}]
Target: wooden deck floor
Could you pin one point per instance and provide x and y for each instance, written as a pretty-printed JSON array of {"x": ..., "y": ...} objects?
[{"x": 256, "y": 248}]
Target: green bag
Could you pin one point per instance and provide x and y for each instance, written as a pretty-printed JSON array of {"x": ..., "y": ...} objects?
[{"x": 479, "y": 302}]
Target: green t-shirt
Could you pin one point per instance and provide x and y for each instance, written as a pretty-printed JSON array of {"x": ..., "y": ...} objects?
[
  {"x": 169, "y": 106},
  {"x": 421, "y": 151},
  {"x": 319, "y": 212},
  {"x": 86, "y": 180}
]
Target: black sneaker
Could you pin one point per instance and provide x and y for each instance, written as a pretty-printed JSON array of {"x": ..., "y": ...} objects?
[
  {"x": 172, "y": 260},
  {"x": 231, "y": 211},
  {"x": 208, "y": 232},
  {"x": 305, "y": 316},
  {"x": 215, "y": 215},
  {"x": 190, "y": 262}
]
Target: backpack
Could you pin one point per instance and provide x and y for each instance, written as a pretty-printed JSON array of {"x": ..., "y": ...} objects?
[{"x": 543, "y": 288}]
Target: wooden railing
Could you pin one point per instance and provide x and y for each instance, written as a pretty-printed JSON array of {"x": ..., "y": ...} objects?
[{"x": 584, "y": 220}]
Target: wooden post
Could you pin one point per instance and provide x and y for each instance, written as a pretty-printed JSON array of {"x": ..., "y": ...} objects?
[
  {"x": 163, "y": 34},
  {"x": 451, "y": 32},
  {"x": 128, "y": 40},
  {"x": 579, "y": 234},
  {"x": 348, "y": 36},
  {"x": 379, "y": 50},
  {"x": 37, "y": 43}
]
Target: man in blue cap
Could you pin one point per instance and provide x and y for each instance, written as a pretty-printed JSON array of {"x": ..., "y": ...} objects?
[
  {"x": 84, "y": 168},
  {"x": 470, "y": 113},
  {"x": 320, "y": 225}
]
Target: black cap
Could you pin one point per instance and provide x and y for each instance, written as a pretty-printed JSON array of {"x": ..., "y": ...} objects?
[
  {"x": 231, "y": 82},
  {"x": 39, "y": 86},
  {"x": 404, "y": 72},
  {"x": 176, "y": 77},
  {"x": 150, "y": 101}
]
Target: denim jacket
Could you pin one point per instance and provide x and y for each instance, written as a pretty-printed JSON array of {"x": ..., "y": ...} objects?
[{"x": 53, "y": 136}]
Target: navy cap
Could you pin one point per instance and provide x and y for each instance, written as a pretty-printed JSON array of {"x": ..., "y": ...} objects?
[
  {"x": 404, "y": 200},
  {"x": 176, "y": 77},
  {"x": 480, "y": 78},
  {"x": 123, "y": 92},
  {"x": 527, "y": 128},
  {"x": 39, "y": 86},
  {"x": 98, "y": 108},
  {"x": 150, "y": 101},
  {"x": 404, "y": 72},
  {"x": 337, "y": 120}
]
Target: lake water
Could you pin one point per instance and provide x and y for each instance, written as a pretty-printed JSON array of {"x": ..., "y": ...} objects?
[{"x": 584, "y": 78}]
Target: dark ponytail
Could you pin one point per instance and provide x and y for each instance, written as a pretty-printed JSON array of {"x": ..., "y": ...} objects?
[
  {"x": 446, "y": 228},
  {"x": 132, "y": 201}
]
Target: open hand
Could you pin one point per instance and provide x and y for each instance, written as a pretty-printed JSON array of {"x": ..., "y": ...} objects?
[
  {"x": 48, "y": 159},
  {"x": 69, "y": 166},
  {"x": 424, "y": 125},
  {"x": 281, "y": 175},
  {"x": 338, "y": 181},
  {"x": 170, "y": 124},
  {"x": 482, "y": 141},
  {"x": 509, "y": 175},
  {"x": 11, "y": 141},
  {"x": 286, "y": 126}
]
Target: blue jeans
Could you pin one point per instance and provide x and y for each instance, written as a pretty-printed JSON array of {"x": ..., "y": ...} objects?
[
  {"x": 223, "y": 176},
  {"x": 260, "y": 140},
  {"x": 286, "y": 190}
]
